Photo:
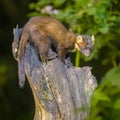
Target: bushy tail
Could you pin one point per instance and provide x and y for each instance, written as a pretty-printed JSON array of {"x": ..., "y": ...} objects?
[
  {"x": 22, "y": 44},
  {"x": 21, "y": 51}
]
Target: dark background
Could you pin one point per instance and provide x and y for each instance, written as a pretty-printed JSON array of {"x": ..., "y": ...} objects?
[
  {"x": 15, "y": 103},
  {"x": 98, "y": 17}
]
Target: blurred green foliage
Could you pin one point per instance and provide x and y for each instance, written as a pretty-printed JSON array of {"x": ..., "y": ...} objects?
[
  {"x": 105, "y": 104},
  {"x": 101, "y": 18},
  {"x": 98, "y": 17}
]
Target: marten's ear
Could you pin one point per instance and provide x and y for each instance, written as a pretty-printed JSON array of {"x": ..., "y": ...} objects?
[
  {"x": 93, "y": 38},
  {"x": 79, "y": 39}
]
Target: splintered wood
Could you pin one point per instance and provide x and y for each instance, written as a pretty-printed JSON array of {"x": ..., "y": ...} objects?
[{"x": 60, "y": 93}]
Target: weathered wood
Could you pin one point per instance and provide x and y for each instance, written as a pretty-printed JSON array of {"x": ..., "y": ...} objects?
[
  {"x": 15, "y": 43},
  {"x": 60, "y": 93}
]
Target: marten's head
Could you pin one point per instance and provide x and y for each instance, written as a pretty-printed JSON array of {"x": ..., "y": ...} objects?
[{"x": 84, "y": 44}]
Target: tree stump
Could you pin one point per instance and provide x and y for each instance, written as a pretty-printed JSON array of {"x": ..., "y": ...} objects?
[{"x": 60, "y": 93}]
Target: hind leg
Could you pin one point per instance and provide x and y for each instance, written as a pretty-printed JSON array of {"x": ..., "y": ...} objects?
[
  {"x": 43, "y": 44},
  {"x": 45, "y": 52},
  {"x": 43, "y": 48}
]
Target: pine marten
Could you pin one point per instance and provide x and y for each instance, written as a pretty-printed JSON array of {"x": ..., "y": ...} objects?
[{"x": 45, "y": 31}]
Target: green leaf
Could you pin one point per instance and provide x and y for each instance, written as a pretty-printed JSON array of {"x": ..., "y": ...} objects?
[
  {"x": 113, "y": 76},
  {"x": 43, "y": 3},
  {"x": 58, "y": 3},
  {"x": 91, "y": 11},
  {"x": 113, "y": 18},
  {"x": 32, "y": 6},
  {"x": 82, "y": 3},
  {"x": 99, "y": 95},
  {"x": 33, "y": 14},
  {"x": 117, "y": 104},
  {"x": 103, "y": 28},
  {"x": 118, "y": 19}
]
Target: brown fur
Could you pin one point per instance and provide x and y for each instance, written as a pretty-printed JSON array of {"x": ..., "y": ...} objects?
[{"x": 44, "y": 31}]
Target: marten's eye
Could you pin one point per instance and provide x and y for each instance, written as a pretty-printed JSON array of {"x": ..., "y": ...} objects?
[{"x": 79, "y": 40}]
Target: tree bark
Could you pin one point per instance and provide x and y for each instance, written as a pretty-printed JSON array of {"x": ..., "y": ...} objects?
[{"x": 60, "y": 93}]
